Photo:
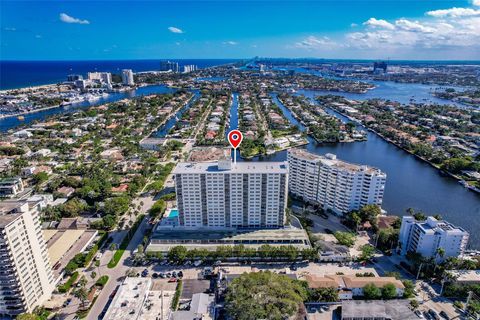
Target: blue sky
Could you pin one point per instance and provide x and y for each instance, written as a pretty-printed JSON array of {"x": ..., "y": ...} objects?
[{"x": 87, "y": 30}]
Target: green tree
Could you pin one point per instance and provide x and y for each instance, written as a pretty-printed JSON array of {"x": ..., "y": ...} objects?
[
  {"x": 158, "y": 208},
  {"x": 414, "y": 304},
  {"x": 389, "y": 291},
  {"x": 345, "y": 238},
  {"x": 40, "y": 177},
  {"x": 116, "y": 206},
  {"x": 82, "y": 295},
  {"x": 264, "y": 295},
  {"x": 177, "y": 254},
  {"x": 371, "y": 292},
  {"x": 26, "y": 316},
  {"x": 324, "y": 295},
  {"x": 409, "y": 289},
  {"x": 367, "y": 252}
]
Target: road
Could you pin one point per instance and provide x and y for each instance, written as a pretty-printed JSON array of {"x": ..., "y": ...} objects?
[{"x": 116, "y": 274}]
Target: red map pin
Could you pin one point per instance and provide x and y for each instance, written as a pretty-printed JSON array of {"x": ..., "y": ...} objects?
[{"x": 235, "y": 137}]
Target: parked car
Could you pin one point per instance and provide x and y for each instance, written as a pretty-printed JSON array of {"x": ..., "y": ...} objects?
[
  {"x": 155, "y": 275},
  {"x": 144, "y": 273},
  {"x": 419, "y": 314},
  {"x": 162, "y": 275},
  {"x": 444, "y": 315},
  {"x": 433, "y": 314},
  {"x": 67, "y": 302},
  {"x": 180, "y": 274},
  {"x": 172, "y": 280}
]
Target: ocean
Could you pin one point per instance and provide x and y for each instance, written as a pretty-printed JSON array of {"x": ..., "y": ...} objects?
[{"x": 19, "y": 74}]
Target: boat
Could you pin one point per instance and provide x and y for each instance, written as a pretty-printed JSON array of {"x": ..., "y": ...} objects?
[{"x": 21, "y": 118}]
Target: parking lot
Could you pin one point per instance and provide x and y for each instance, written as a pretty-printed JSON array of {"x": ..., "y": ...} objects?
[
  {"x": 325, "y": 312},
  {"x": 192, "y": 286}
]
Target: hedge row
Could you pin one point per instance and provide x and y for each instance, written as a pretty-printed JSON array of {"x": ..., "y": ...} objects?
[
  {"x": 67, "y": 285},
  {"x": 102, "y": 281},
  {"x": 176, "y": 297},
  {"x": 126, "y": 240},
  {"x": 91, "y": 254}
]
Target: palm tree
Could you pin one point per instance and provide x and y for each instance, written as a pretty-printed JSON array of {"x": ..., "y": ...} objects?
[
  {"x": 82, "y": 295},
  {"x": 439, "y": 253},
  {"x": 411, "y": 211}
]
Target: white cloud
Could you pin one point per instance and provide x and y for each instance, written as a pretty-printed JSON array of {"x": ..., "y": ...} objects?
[
  {"x": 11, "y": 29},
  {"x": 232, "y": 43},
  {"x": 432, "y": 33},
  {"x": 312, "y": 42},
  {"x": 353, "y": 25},
  {"x": 379, "y": 23},
  {"x": 175, "y": 30},
  {"x": 409, "y": 25},
  {"x": 69, "y": 19},
  {"x": 476, "y": 2},
  {"x": 454, "y": 12},
  {"x": 37, "y": 36}
]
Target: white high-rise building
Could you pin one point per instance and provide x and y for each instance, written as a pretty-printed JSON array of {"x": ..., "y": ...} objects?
[
  {"x": 104, "y": 77},
  {"x": 228, "y": 195},
  {"x": 26, "y": 279},
  {"x": 425, "y": 237},
  {"x": 189, "y": 68},
  {"x": 335, "y": 184},
  {"x": 127, "y": 77}
]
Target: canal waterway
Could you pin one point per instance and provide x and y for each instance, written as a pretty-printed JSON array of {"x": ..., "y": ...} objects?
[
  {"x": 163, "y": 130},
  {"x": 394, "y": 91},
  {"x": 12, "y": 122},
  {"x": 410, "y": 182}
]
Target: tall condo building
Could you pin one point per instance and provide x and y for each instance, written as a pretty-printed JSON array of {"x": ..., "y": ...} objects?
[
  {"x": 26, "y": 279},
  {"x": 228, "y": 195},
  {"x": 189, "y": 68},
  {"x": 425, "y": 237},
  {"x": 105, "y": 77},
  {"x": 127, "y": 77},
  {"x": 332, "y": 183},
  {"x": 169, "y": 66}
]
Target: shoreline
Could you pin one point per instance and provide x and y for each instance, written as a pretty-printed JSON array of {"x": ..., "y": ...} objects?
[
  {"x": 30, "y": 111},
  {"x": 404, "y": 149},
  {"x": 73, "y": 104}
]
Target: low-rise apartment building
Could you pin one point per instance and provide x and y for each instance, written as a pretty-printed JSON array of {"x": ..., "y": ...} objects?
[
  {"x": 9, "y": 188},
  {"x": 352, "y": 286},
  {"x": 426, "y": 237}
]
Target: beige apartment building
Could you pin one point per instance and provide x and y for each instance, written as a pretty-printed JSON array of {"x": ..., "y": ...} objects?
[{"x": 26, "y": 279}]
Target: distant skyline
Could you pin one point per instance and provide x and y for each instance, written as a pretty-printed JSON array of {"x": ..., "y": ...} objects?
[{"x": 342, "y": 29}]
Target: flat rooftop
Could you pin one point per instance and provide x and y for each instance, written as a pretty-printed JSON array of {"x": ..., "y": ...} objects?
[
  {"x": 199, "y": 154},
  {"x": 207, "y": 238},
  {"x": 239, "y": 167},
  {"x": 466, "y": 275},
  {"x": 377, "y": 309},
  {"x": 331, "y": 160},
  {"x": 129, "y": 299}
]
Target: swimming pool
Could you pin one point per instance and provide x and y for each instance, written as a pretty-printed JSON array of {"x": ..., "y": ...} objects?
[{"x": 173, "y": 213}]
